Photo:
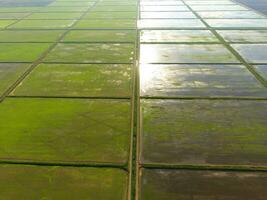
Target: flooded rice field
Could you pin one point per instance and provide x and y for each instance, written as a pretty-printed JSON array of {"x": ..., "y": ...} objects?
[{"x": 133, "y": 100}]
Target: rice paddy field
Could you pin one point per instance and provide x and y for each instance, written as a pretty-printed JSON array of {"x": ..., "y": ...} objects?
[{"x": 132, "y": 100}]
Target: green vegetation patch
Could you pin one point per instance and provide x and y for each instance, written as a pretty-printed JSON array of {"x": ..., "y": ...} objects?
[
  {"x": 72, "y": 3},
  {"x": 158, "y": 184},
  {"x": 36, "y": 182},
  {"x": 100, "y": 36},
  {"x": 64, "y": 9},
  {"x": 199, "y": 80},
  {"x": 110, "y": 15},
  {"x": 6, "y": 22},
  {"x": 9, "y": 73},
  {"x": 114, "y": 3},
  {"x": 29, "y": 36},
  {"x": 65, "y": 130},
  {"x": 76, "y": 80},
  {"x": 68, "y": 15},
  {"x": 19, "y": 9},
  {"x": 115, "y": 8},
  {"x": 42, "y": 24},
  {"x": 12, "y": 15},
  {"x": 92, "y": 53},
  {"x": 114, "y": 23},
  {"x": 21, "y": 52},
  {"x": 204, "y": 132}
]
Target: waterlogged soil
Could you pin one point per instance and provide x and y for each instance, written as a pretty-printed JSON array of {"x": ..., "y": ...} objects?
[
  {"x": 68, "y": 72},
  {"x": 163, "y": 36},
  {"x": 252, "y": 53},
  {"x": 158, "y": 184},
  {"x": 199, "y": 80},
  {"x": 183, "y": 53},
  {"x": 204, "y": 132},
  {"x": 262, "y": 70}
]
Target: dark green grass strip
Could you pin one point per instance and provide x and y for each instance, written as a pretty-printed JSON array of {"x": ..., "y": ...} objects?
[
  {"x": 70, "y": 97},
  {"x": 170, "y": 28},
  {"x": 135, "y": 102},
  {"x": 205, "y": 98},
  {"x": 205, "y": 167},
  {"x": 75, "y": 42},
  {"x": 71, "y": 164}
]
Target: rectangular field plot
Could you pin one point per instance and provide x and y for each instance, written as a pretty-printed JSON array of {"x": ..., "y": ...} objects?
[
  {"x": 9, "y": 73},
  {"x": 29, "y": 36},
  {"x": 106, "y": 24},
  {"x": 100, "y": 36},
  {"x": 114, "y": 8},
  {"x": 163, "y": 8},
  {"x": 199, "y": 81},
  {"x": 237, "y": 23},
  {"x": 230, "y": 14},
  {"x": 161, "y": 3},
  {"x": 43, "y": 24},
  {"x": 204, "y": 132},
  {"x": 37, "y": 182},
  {"x": 77, "y": 80},
  {"x": 245, "y": 36},
  {"x": 65, "y": 130},
  {"x": 170, "y": 23},
  {"x": 217, "y": 7},
  {"x": 91, "y": 53},
  {"x": 181, "y": 53},
  {"x": 167, "y": 15},
  {"x": 19, "y": 9},
  {"x": 252, "y": 53},
  {"x": 158, "y": 184},
  {"x": 209, "y": 2},
  {"x": 262, "y": 70},
  {"x": 74, "y": 15},
  {"x": 12, "y": 15},
  {"x": 161, "y": 36},
  {"x": 111, "y": 15},
  {"x": 21, "y": 52},
  {"x": 6, "y": 22},
  {"x": 64, "y": 9}
]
